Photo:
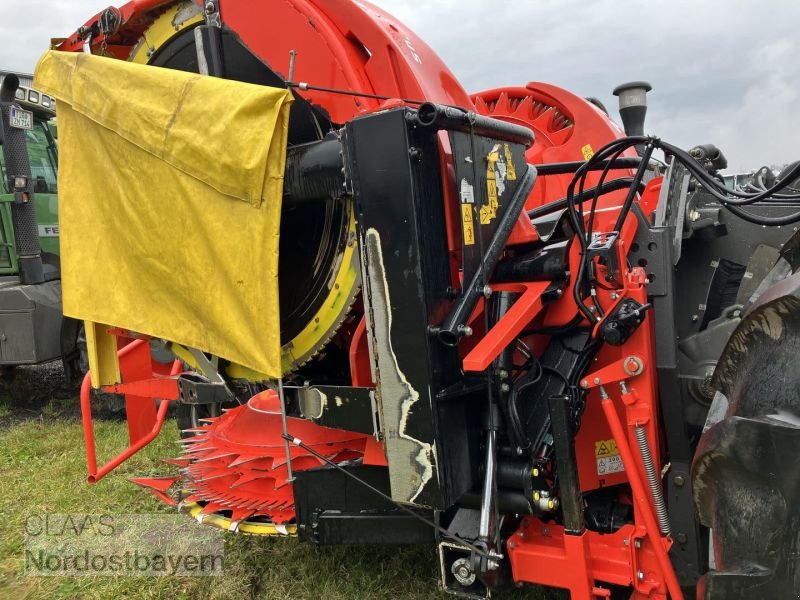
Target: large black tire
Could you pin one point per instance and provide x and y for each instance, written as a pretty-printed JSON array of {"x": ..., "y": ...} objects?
[{"x": 746, "y": 472}]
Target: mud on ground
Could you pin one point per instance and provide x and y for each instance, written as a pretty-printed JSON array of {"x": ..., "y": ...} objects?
[{"x": 40, "y": 393}]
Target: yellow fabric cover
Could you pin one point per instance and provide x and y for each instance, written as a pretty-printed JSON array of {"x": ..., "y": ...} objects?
[{"x": 170, "y": 189}]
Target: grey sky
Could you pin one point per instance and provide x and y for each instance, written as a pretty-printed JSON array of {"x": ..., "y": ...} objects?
[{"x": 723, "y": 71}]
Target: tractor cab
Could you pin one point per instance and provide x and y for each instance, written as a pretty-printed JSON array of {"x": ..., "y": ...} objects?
[{"x": 35, "y": 114}]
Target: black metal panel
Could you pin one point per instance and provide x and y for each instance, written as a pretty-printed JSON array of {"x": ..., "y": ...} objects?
[
  {"x": 339, "y": 407},
  {"x": 332, "y": 508},
  {"x": 397, "y": 185},
  {"x": 483, "y": 200},
  {"x": 688, "y": 553}
]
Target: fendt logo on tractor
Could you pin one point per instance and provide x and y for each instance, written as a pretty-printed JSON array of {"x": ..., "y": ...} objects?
[{"x": 558, "y": 350}]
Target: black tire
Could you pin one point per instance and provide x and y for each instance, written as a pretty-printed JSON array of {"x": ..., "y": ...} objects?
[{"x": 746, "y": 476}]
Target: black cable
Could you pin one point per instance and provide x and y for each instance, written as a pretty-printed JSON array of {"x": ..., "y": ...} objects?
[
  {"x": 726, "y": 195},
  {"x": 560, "y": 204},
  {"x": 598, "y": 187},
  {"x": 626, "y": 207},
  {"x": 576, "y": 218},
  {"x": 302, "y": 85}
]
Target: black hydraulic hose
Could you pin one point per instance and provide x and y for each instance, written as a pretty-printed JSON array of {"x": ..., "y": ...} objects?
[
  {"x": 725, "y": 195},
  {"x": 598, "y": 187},
  {"x": 637, "y": 179},
  {"x": 576, "y": 219},
  {"x": 561, "y": 204},
  {"x": 761, "y": 220}
]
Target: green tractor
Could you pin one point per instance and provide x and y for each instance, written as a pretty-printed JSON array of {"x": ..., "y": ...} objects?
[{"x": 33, "y": 329}]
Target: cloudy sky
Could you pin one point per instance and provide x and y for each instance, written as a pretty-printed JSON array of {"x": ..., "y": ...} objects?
[{"x": 723, "y": 71}]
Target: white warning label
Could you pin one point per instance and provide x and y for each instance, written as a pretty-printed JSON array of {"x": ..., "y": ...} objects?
[{"x": 608, "y": 458}]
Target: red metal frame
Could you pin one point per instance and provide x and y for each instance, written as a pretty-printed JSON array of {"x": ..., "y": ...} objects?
[{"x": 141, "y": 394}]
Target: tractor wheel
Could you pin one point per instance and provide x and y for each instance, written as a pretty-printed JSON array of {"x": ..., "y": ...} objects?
[{"x": 746, "y": 476}]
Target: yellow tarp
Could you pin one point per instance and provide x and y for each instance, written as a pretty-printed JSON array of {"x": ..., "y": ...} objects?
[{"x": 170, "y": 189}]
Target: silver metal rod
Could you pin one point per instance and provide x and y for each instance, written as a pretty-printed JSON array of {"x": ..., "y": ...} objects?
[
  {"x": 292, "y": 58},
  {"x": 285, "y": 431}
]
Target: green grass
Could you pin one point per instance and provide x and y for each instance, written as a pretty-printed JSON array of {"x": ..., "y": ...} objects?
[{"x": 43, "y": 470}]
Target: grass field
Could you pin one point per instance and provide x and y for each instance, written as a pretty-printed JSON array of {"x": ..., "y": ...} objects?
[{"x": 43, "y": 470}]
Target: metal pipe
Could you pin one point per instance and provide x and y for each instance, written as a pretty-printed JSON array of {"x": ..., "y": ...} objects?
[
  {"x": 96, "y": 474},
  {"x": 451, "y": 118},
  {"x": 652, "y": 479},
  {"x": 562, "y": 168}
]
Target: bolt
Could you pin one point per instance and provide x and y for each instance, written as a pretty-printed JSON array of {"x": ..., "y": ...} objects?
[
  {"x": 487, "y": 291},
  {"x": 695, "y": 318},
  {"x": 682, "y": 538},
  {"x": 626, "y": 541},
  {"x": 614, "y": 295},
  {"x": 637, "y": 543},
  {"x": 584, "y": 384},
  {"x": 505, "y": 388},
  {"x": 693, "y": 215},
  {"x": 679, "y": 480},
  {"x": 640, "y": 575},
  {"x": 210, "y": 8},
  {"x": 596, "y": 380}
]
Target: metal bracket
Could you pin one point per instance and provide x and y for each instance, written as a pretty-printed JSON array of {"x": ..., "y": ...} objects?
[
  {"x": 195, "y": 389},
  {"x": 212, "y": 16},
  {"x": 630, "y": 366}
]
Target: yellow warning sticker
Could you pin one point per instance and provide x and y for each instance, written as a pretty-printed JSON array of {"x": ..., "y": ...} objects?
[
  {"x": 605, "y": 448},
  {"x": 587, "y": 152},
  {"x": 511, "y": 172},
  {"x": 468, "y": 225},
  {"x": 489, "y": 211},
  {"x": 608, "y": 458}
]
